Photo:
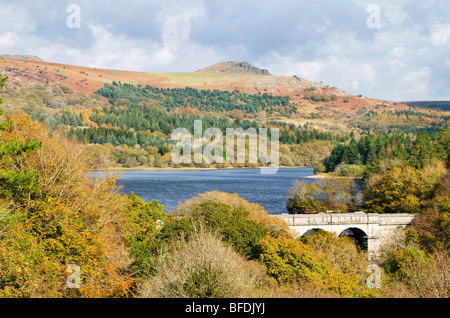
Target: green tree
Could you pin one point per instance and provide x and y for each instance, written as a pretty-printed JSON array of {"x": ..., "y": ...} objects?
[
  {"x": 232, "y": 223},
  {"x": 422, "y": 151},
  {"x": 15, "y": 183},
  {"x": 443, "y": 146},
  {"x": 145, "y": 223},
  {"x": 353, "y": 154}
]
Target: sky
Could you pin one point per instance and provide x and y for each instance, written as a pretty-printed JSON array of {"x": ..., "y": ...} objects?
[{"x": 396, "y": 50}]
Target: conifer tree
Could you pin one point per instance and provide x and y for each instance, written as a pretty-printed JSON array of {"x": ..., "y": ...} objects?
[
  {"x": 422, "y": 151},
  {"x": 15, "y": 183}
]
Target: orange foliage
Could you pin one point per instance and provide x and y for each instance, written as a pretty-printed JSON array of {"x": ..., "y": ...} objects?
[{"x": 76, "y": 219}]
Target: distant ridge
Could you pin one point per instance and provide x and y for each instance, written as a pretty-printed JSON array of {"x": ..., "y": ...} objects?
[
  {"x": 234, "y": 68},
  {"x": 21, "y": 57},
  {"x": 442, "y": 105}
]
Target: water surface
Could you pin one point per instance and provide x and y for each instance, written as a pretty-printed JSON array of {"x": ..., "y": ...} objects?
[{"x": 171, "y": 187}]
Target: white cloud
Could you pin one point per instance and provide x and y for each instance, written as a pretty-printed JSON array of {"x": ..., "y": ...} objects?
[
  {"x": 394, "y": 13},
  {"x": 8, "y": 40},
  {"x": 15, "y": 18},
  {"x": 176, "y": 24},
  {"x": 331, "y": 43},
  {"x": 288, "y": 65},
  {"x": 440, "y": 34}
]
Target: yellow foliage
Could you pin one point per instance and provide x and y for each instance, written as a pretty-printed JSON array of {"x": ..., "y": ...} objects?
[{"x": 75, "y": 219}]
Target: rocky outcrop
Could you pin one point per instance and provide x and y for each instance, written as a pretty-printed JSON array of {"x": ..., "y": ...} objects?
[
  {"x": 234, "y": 68},
  {"x": 21, "y": 57}
]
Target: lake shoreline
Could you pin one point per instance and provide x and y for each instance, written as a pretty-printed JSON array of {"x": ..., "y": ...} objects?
[{"x": 189, "y": 168}]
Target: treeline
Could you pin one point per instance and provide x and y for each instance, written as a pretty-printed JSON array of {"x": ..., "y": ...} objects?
[
  {"x": 144, "y": 125},
  {"x": 142, "y": 118},
  {"x": 204, "y": 100},
  {"x": 292, "y": 134},
  {"x": 418, "y": 150},
  {"x": 406, "y": 121},
  {"x": 444, "y": 116},
  {"x": 127, "y": 119},
  {"x": 115, "y": 137}
]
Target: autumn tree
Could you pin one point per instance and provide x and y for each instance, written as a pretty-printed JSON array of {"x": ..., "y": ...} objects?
[
  {"x": 291, "y": 261},
  {"x": 15, "y": 183},
  {"x": 402, "y": 189},
  {"x": 337, "y": 194},
  {"x": 57, "y": 215}
]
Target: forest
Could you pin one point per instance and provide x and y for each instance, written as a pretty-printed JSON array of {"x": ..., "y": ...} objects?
[
  {"x": 204, "y": 100},
  {"x": 134, "y": 130}
]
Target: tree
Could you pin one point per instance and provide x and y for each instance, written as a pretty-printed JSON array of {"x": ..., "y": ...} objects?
[
  {"x": 443, "y": 146},
  {"x": 146, "y": 221},
  {"x": 433, "y": 224},
  {"x": 302, "y": 198},
  {"x": 353, "y": 154},
  {"x": 402, "y": 189},
  {"x": 16, "y": 184},
  {"x": 335, "y": 157},
  {"x": 274, "y": 226},
  {"x": 291, "y": 261},
  {"x": 57, "y": 215},
  {"x": 422, "y": 151},
  {"x": 232, "y": 223},
  {"x": 319, "y": 168}
]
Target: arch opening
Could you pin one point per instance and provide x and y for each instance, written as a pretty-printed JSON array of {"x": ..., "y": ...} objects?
[{"x": 360, "y": 237}]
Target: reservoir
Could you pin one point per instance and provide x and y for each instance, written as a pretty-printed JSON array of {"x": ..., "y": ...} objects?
[{"x": 173, "y": 186}]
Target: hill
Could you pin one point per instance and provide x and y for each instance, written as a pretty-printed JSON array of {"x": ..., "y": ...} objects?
[
  {"x": 125, "y": 118},
  {"x": 313, "y": 100}
]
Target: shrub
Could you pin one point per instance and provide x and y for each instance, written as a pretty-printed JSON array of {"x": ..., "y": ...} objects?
[
  {"x": 275, "y": 226},
  {"x": 304, "y": 206},
  {"x": 319, "y": 168},
  {"x": 414, "y": 272},
  {"x": 145, "y": 222},
  {"x": 26, "y": 270},
  {"x": 302, "y": 198},
  {"x": 203, "y": 267},
  {"x": 403, "y": 261},
  {"x": 346, "y": 170},
  {"x": 290, "y": 260},
  {"x": 232, "y": 223},
  {"x": 340, "y": 252}
]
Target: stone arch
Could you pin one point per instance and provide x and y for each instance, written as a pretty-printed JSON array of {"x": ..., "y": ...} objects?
[{"x": 360, "y": 236}]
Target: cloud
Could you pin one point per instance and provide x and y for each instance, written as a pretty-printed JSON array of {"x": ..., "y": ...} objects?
[
  {"x": 440, "y": 34},
  {"x": 8, "y": 40},
  {"x": 324, "y": 40}
]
